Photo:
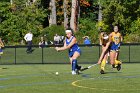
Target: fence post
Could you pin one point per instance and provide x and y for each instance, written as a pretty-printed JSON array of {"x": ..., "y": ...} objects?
[
  {"x": 15, "y": 54},
  {"x": 129, "y": 53},
  {"x": 42, "y": 56}
]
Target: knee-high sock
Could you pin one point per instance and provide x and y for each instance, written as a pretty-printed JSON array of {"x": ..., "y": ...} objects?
[
  {"x": 74, "y": 64},
  {"x": 117, "y": 62},
  {"x": 103, "y": 64}
]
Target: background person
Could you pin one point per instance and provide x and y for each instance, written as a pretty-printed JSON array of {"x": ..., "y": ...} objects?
[
  {"x": 28, "y": 38},
  {"x": 56, "y": 39},
  {"x": 42, "y": 43},
  {"x": 62, "y": 38},
  {"x": 86, "y": 40}
]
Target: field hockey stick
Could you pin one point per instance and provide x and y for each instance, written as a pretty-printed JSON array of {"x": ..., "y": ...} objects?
[{"x": 88, "y": 67}]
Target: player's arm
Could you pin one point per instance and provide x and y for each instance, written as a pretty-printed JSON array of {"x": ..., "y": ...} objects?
[
  {"x": 65, "y": 43},
  {"x": 25, "y": 37},
  {"x": 103, "y": 52},
  {"x": 2, "y": 45},
  {"x": 110, "y": 36},
  {"x": 121, "y": 38},
  {"x": 67, "y": 47},
  {"x": 100, "y": 40}
]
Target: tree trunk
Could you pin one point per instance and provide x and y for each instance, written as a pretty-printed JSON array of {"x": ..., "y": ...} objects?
[
  {"x": 74, "y": 15},
  {"x": 11, "y": 1},
  {"x": 53, "y": 13},
  {"x": 100, "y": 14},
  {"x": 78, "y": 15},
  {"x": 33, "y": 1},
  {"x": 65, "y": 14}
]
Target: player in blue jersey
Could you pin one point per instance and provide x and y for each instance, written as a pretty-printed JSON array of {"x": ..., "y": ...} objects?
[
  {"x": 1, "y": 45},
  {"x": 74, "y": 51}
]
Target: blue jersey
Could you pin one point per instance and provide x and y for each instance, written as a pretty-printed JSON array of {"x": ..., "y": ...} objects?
[
  {"x": 86, "y": 41},
  {"x": 73, "y": 48}
]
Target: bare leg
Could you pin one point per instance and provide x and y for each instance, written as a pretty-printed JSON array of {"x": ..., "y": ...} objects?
[{"x": 112, "y": 57}]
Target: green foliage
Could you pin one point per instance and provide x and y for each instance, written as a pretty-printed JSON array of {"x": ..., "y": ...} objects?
[
  {"x": 87, "y": 28},
  {"x": 89, "y": 9},
  {"x": 18, "y": 19},
  {"x": 131, "y": 38},
  {"x": 124, "y": 13},
  {"x": 135, "y": 26},
  {"x": 135, "y": 32},
  {"x": 102, "y": 25},
  {"x": 49, "y": 32},
  {"x": 120, "y": 12}
]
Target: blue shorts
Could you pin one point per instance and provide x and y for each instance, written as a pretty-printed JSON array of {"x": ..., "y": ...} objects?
[
  {"x": 1, "y": 51},
  {"x": 114, "y": 47},
  {"x": 71, "y": 53}
]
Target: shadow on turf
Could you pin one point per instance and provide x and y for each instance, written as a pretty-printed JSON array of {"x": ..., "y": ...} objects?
[
  {"x": 30, "y": 52},
  {"x": 111, "y": 72},
  {"x": 4, "y": 68}
]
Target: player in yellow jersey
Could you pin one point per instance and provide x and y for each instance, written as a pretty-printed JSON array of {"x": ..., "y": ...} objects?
[
  {"x": 104, "y": 39},
  {"x": 116, "y": 39}
]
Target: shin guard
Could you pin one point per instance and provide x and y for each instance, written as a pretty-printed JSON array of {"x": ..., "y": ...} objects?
[
  {"x": 103, "y": 64},
  {"x": 74, "y": 64}
]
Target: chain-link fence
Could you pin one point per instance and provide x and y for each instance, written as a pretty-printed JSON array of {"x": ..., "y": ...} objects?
[{"x": 90, "y": 54}]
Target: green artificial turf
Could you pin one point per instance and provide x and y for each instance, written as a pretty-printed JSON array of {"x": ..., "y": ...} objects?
[{"x": 41, "y": 78}]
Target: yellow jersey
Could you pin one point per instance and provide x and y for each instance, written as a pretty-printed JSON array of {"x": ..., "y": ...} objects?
[{"x": 116, "y": 37}]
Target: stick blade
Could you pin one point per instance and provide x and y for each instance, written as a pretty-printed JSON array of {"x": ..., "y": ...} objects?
[
  {"x": 88, "y": 67},
  {"x": 92, "y": 65},
  {"x": 84, "y": 69}
]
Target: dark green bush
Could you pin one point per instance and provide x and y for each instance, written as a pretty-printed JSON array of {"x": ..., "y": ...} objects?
[{"x": 49, "y": 32}]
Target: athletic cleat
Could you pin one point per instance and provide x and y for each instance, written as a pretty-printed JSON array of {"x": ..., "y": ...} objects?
[
  {"x": 119, "y": 67},
  {"x": 102, "y": 72},
  {"x": 114, "y": 66},
  {"x": 73, "y": 73}
]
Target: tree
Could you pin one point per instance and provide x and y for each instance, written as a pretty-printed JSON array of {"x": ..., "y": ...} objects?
[
  {"x": 11, "y": 1},
  {"x": 53, "y": 13},
  {"x": 15, "y": 24},
  {"x": 120, "y": 12},
  {"x": 65, "y": 3},
  {"x": 74, "y": 15},
  {"x": 100, "y": 13}
]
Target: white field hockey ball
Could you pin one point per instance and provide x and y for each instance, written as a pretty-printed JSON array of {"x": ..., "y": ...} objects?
[{"x": 56, "y": 73}]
